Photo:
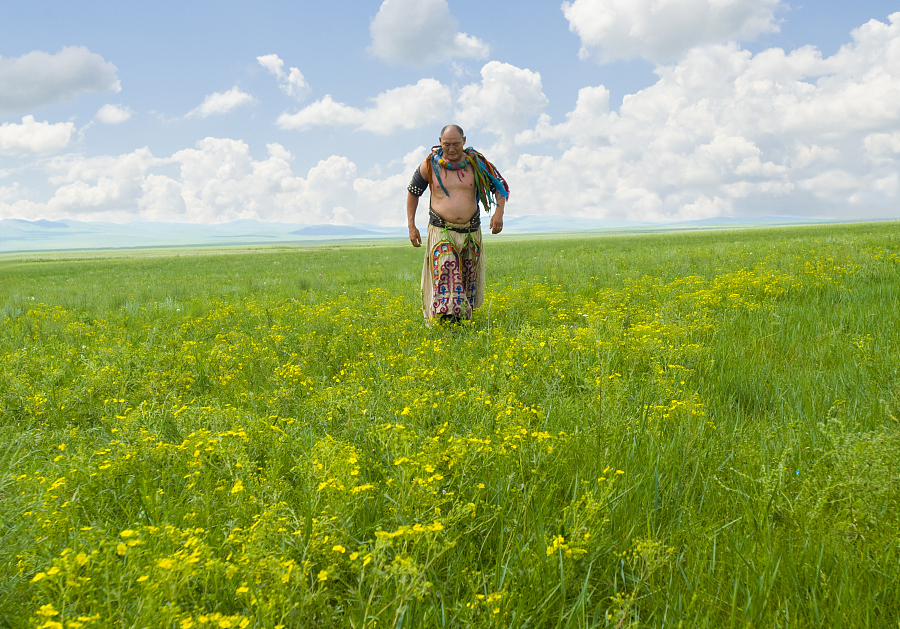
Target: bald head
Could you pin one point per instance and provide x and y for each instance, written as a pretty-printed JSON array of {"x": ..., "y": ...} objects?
[{"x": 453, "y": 127}]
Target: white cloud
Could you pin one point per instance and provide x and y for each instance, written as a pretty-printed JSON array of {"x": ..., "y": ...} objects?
[
  {"x": 98, "y": 186},
  {"x": 503, "y": 102},
  {"x": 113, "y": 114},
  {"x": 291, "y": 83},
  {"x": 729, "y": 132},
  {"x": 38, "y": 78},
  {"x": 34, "y": 137},
  {"x": 407, "y": 107},
  {"x": 160, "y": 199},
  {"x": 420, "y": 32},
  {"x": 216, "y": 181},
  {"x": 221, "y": 103},
  {"x": 721, "y": 132},
  {"x": 882, "y": 147},
  {"x": 272, "y": 63},
  {"x": 664, "y": 30},
  {"x": 323, "y": 112}
]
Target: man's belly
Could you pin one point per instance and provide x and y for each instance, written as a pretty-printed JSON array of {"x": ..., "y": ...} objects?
[{"x": 454, "y": 212}]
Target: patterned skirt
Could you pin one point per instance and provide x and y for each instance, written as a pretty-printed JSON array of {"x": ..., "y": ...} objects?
[{"x": 453, "y": 275}]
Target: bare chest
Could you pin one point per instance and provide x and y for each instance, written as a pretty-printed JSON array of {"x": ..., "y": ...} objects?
[{"x": 462, "y": 180}]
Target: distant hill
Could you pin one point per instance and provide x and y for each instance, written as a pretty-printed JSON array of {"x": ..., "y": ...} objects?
[
  {"x": 333, "y": 230},
  {"x": 42, "y": 222},
  {"x": 18, "y": 234}
]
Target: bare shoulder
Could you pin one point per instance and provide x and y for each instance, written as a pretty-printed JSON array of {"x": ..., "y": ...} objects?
[{"x": 423, "y": 169}]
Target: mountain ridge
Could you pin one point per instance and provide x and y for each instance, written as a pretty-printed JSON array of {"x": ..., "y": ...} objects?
[{"x": 17, "y": 234}]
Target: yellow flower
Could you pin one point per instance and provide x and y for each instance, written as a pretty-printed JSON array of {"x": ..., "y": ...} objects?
[
  {"x": 242, "y": 590},
  {"x": 39, "y": 576},
  {"x": 81, "y": 559},
  {"x": 165, "y": 563},
  {"x": 52, "y": 570},
  {"x": 238, "y": 487},
  {"x": 142, "y": 578},
  {"x": 323, "y": 575},
  {"x": 339, "y": 549},
  {"x": 121, "y": 549},
  {"x": 353, "y": 556},
  {"x": 127, "y": 533},
  {"x": 47, "y": 610}
]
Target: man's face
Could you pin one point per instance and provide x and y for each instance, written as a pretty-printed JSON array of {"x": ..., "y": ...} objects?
[{"x": 452, "y": 143}]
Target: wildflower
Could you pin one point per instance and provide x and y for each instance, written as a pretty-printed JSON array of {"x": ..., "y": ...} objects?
[
  {"x": 323, "y": 575},
  {"x": 238, "y": 487},
  {"x": 47, "y": 610},
  {"x": 142, "y": 578}
]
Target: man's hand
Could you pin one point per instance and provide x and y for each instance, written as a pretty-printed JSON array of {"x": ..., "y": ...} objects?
[
  {"x": 496, "y": 222},
  {"x": 415, "y": 238}
]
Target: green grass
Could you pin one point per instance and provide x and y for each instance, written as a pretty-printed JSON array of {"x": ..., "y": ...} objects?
[{"x": 694, "y": 429}]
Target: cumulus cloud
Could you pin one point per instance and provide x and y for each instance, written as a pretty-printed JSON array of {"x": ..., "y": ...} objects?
[
  {"x": 34, "y": 137},
  {"x": 663, "y": 31},
  {"x": 221, "y": 103},
  {"x": 292, "y": 82},
  {"x": 503, "y": 102},
  {"x": 216, "y": 181},
  {"x": 38, "y": 78},
  {"x": 882, "y": 147},
  {"x": 724, "y": 131},
  {"x": 407, "y": 107},
  {"x": 420, "y": 32},
  {"x": 113, "y": 114}
]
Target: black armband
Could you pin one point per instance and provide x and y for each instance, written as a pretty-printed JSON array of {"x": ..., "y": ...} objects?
[{"x": 417, "y": 184}]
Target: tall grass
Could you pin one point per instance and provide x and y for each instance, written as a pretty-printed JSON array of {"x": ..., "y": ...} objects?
[{"x": 664, "y": 430}]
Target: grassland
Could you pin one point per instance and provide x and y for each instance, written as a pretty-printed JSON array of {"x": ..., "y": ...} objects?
[{"x": 660, "y": 430}]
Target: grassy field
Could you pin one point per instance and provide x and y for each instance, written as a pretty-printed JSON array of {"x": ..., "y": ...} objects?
[{"x": 674, "y": 430}]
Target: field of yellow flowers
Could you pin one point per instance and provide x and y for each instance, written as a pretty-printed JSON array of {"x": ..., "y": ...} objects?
[{"x": 686, "y": 430}]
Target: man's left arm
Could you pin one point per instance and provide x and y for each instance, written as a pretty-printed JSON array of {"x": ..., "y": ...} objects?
[{"x": 497, "y": 216}]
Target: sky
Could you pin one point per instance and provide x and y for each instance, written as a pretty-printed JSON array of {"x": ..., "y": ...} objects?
[{"x": 318, "y": 112}]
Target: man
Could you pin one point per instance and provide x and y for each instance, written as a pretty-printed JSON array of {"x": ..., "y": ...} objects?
[{"x": 459, "y": 180}]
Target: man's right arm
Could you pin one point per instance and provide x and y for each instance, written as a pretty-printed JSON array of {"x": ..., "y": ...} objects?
[
  {"x": 415, "y": 189},
  {"x": 412, "y": 202}
]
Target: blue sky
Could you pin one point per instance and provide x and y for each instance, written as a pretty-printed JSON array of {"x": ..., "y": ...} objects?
[{"x": 599, "y": 108}]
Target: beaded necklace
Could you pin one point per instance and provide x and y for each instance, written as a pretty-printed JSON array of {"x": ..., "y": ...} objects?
[
  {"x": 448, "y": 166},
  {"x": 486, "y": 174}
]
